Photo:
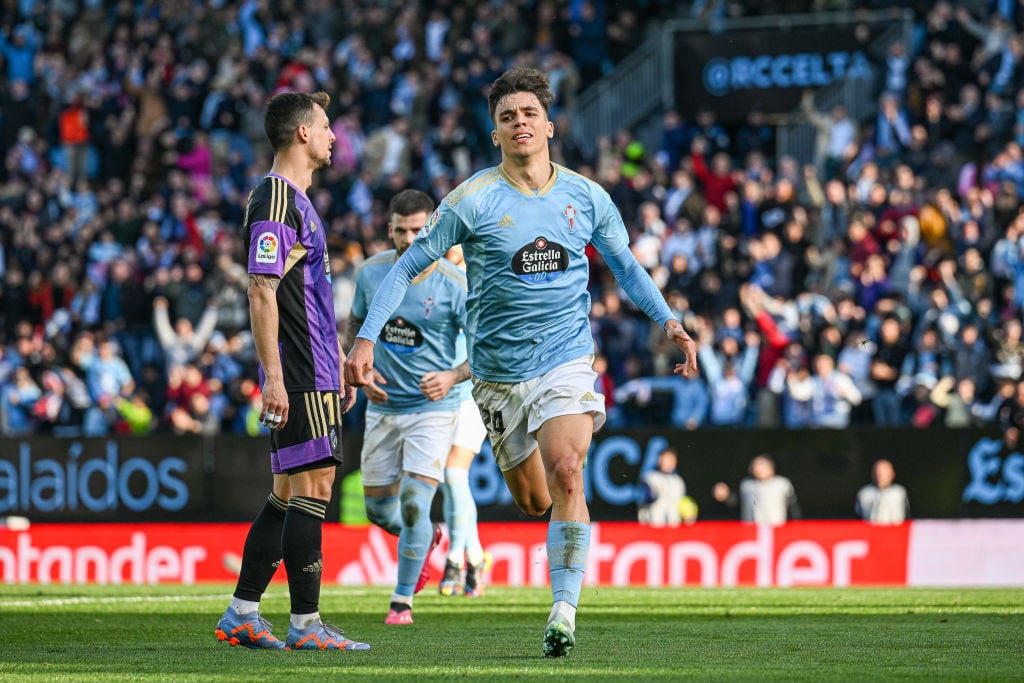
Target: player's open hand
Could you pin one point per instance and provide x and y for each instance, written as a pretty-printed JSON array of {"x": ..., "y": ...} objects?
[
  {"x": 359, "y": 363},
  {"x": 679, "y": 337}
]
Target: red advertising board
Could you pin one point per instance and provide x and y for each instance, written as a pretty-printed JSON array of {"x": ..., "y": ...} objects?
[{"x": 622, "y": 553}]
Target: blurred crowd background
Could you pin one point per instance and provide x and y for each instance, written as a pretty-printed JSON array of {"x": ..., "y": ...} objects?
[{"x": 881, "y": 284}]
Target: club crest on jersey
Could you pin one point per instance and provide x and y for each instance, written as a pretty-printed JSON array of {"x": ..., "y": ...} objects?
[
  {"x": 428, "y": 303},
  {"x": 431, "y": 222},
  {"x": 540, "y": 261},
  {"x": 570, "y": 215},
  {"x": 267, "y": 248},
  {"x": 401, "y": 336},
  {"x": 312, "y": 225}
]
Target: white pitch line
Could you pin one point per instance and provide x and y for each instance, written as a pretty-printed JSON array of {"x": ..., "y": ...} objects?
[{"x": 147, "y": 599}]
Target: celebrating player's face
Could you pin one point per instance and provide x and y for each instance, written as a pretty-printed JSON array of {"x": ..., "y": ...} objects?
[
  {"x": 521, "y": 125},
  {"x": 403, "y": 229}
]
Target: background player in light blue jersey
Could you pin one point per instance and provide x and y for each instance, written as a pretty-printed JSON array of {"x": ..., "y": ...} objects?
[
  {"x": 410, "y": 418},
  {"x": 524, "y": 226},
  {"x": 459, "y": 507}
]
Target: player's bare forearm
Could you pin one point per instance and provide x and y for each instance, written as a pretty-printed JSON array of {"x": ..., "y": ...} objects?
[
  {"x": 682, "y": 340},
  {"x": 263, "y": 315},
  {"x": 461, "y": 372},
  {"x": 352, "y": 328}
]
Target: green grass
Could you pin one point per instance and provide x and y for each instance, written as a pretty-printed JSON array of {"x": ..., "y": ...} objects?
[{"x": 165, "y": 633}]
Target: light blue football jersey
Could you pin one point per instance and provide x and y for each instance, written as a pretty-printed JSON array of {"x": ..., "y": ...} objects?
[
  {"x": 420, "y": 337},
  {"x": 528, "y": 305}
]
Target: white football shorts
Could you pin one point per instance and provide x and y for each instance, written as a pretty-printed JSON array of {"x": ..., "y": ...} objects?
[
  {"x": 469, "y": 427},
  {"x": 412, "y": 442},
  {"x": 513, "y": 412}
]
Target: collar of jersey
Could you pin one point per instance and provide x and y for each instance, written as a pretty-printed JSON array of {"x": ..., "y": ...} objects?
[{"x": 527, "y": 191}]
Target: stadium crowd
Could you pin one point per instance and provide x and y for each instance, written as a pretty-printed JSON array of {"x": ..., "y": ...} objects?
[{"x": 882, "y": 284}]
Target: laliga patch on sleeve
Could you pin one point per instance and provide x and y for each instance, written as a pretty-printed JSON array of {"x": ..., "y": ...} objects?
[
  {"x": 267, "y": 247},
  {"x": 431, "y": 222}
]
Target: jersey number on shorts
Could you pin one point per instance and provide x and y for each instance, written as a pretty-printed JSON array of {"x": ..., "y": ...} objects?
[{"x": 493, "y": 421}]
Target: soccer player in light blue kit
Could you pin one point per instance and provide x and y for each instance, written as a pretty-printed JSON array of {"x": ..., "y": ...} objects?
[
  {"x": 411, "y": 416},
  {"x": 524, "y": 226}
]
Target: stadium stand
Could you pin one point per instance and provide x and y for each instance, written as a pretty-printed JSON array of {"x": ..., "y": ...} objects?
[{"x": 131, "y": 133}]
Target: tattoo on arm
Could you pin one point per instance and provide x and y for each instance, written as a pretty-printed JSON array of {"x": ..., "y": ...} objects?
[
  {"x": 259, "y": 280},
  {"x": 462, "y": 372}
]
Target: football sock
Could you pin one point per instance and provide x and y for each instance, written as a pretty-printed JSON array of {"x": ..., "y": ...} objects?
[
  {"x": 568, "y": 547},
  {"x": 400, "y": 603},
  {"x": 303, "y": 559},
  {"x": 565, "y": 612},
  {"x": 301, "y": 621},
  {"x": 383, "y": 511},
  {"x": 417, "y": 532},
  {"x": 262, "y": 553},
  {"x": 244, "y": 607},
  {"x": 459, "y": 514}
]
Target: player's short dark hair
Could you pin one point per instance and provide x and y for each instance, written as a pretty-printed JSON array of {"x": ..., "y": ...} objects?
[
  {"x": 408, "y": 202},
  {"x": 521, "y": 79},
  {"x": 288, "y": 111}
]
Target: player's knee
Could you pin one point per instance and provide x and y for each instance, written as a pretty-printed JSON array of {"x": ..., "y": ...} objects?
[
  {"x": 566, "y": 473},
  {"x": 374, "y": 514},
  {"x": 535, "y": 506},
  {"x": 414, "y": 502}
]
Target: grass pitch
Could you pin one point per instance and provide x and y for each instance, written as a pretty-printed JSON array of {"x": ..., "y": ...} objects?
[{"x": 165, "y": 633}]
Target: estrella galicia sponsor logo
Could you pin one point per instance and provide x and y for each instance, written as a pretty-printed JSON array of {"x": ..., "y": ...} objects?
[
  {"x": 540, "y": 261},
  {"x": 401, "y": 336},
  {"x": 995, "y": 478},
  {"x": 803, "y": 70}
]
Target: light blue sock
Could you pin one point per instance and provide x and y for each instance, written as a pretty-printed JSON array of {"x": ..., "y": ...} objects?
[
  {"x": 474, "y": 551},
  {"x": 568, "y": 547},
  {"x": 383, "y": 511},
  {"x": 459, "y": 512},
  {"x": 415, "y": 497}
]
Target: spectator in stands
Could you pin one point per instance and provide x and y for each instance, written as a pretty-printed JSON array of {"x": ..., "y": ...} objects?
[
  {"x": 728, "y": 370},
  {"x": 18, "y": 403},
  {"x": 890, "y": 354},
  {"x": 182, "y": 343},
  {"x": 177, "y": 129},
  {"x": 108, "y": 379},
  {"x": 836, "y": 134},
  {"x": 883, "y": 501},
  {"x": 829, "y": 393}
]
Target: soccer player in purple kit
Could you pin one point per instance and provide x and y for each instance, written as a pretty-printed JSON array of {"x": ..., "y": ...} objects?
[{"x": 303, "y": 393}]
